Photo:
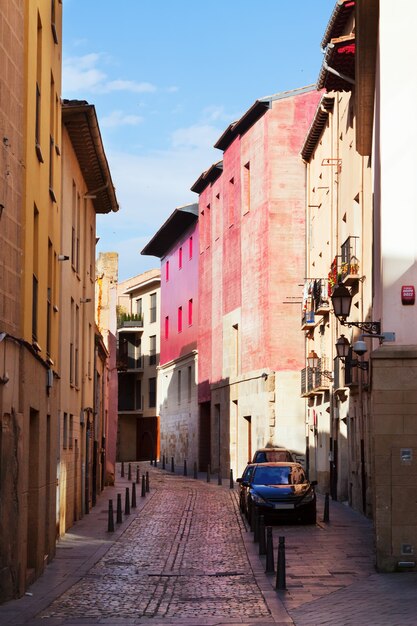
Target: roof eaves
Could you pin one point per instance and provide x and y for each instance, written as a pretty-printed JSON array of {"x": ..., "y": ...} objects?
[
  {"x": 254, "y": 113},
  {"x": 337, "y": 21},
  {"x": 316, "y": 129},
  {"x": 81, "y": 122},
  {"x": 332, "y": 61},
  {"x": 208, "y": 177},
  {"x": 177, "y": 223}
]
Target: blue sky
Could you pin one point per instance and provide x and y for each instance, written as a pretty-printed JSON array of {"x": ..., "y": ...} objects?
[{"x": 167, "y": 77}]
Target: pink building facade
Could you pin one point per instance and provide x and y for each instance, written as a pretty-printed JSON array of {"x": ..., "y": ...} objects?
[
  {"x": 252, "y": 259},
  {"x": 177, "y": 245}
]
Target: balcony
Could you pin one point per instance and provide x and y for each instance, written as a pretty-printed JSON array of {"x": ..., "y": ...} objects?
[
  {"x": 349, "y": 264},
  {"x": 316, "y": 301},
  {"x": 315, "y": 381},
  {"x": 130, "y": 323},
  {"x": 130, "y": 405},
  {"x": 128, "y": 363}
]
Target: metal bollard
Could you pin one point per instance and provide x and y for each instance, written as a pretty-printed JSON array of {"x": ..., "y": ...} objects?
[
  {"x": 147, "y": 482},
  {"x": 256, "y": 525},
  {"x": 195, "y": 470},
  {"x": 127, "y": 502},
  {"x": 163, "y": 461},
  {"x": 143, "y": 494},
  {"x": 262, "y": 542},
  {"x": 172, "y": 465},
  {"x": 219, "y": 477},
  {"x": 151, "y": 461},
  {"x": 208, "y": 473},
  {"x": 119, "y": 517},
  {"x": 280, "y": 581},
  {"x": 252, "y": 518},
  {"x": 133, "y": 505},
  {"x": 326, "y": 516},
  {"x": 137, "y": 474},
  {"x": 155, "y": 462},
  {"x": 129, "y": 472},
  {"x": 269, "y": 566},
  {"x": 122, "y": 470},
  {"x": 231, "y": 483},
  {"x": 185, "y": 467},
  {"x": 110, "y": 523}
]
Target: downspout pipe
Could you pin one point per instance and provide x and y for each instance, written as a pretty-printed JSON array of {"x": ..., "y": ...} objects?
[{"x": 331, "y": 70}]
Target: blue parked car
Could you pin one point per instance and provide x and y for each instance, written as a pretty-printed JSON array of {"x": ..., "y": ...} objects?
[{"x": 279, "y": 491}]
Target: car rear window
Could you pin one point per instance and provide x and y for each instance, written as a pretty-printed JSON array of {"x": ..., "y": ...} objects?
[{"x": 279, "y": 476}]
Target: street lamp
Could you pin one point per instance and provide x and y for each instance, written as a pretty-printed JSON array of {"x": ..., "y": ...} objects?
[
  {"x": 342, "y": 301},
  {"x": 343, "y": 352},
  {"x": 342, "y": 347},
  {"x": 313, "y": 363}
]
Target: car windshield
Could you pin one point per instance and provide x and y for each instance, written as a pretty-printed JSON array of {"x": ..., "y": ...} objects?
[
  {"x": 286, "y": 475},
  {"x": 266, "y": 456}
]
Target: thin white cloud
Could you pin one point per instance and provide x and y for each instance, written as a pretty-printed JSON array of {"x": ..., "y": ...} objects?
[
  {"x": 82, "y": 75},
  {"x": 128, "y": 85},
  {"x": 196, "y": 136},
  {"x": 118, "y": 118},
  {"x": 149, "y": 187}
]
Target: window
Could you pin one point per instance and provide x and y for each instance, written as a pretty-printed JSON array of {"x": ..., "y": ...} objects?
[
  {"x": 139, "y": 308},
  {"x": 190, "y": 312},
  {"x": 51, "y": 140},
  {"x": 152, "y": 350},
  {"x": 246, "y": 189},
  {"x": 38, "y": 103},
  {"x": 65, "y": 432},
  {"x": 89, "y": 350},
  {"x": 190, "y": 248},
  {"x": 92, "y": 254},
  {"x": 167, "y": 271},
  {"x": 189, "y": 382},
  {"x": 152, "y": 392},
  {"x": 217, "y": 218},
  {"x": 49, "y": 301},
  {"x": 34, "y": 308},
  {"x": 35, "y": 274},
  {"x": 76, "y": 346},
  {"x": 76, "y": 226},
  {"x": 152, "y": 309},
  {"x": 202, "y": 231},
  {"x": 71, "y": 431},
  {"x": 180, "y": 257},
  {"x": 179, "y": 386},
  {"x": 53, "y": 21},
  {"x": 138, "y": 394},
  {"x": 231, "y": 203},
  {"x": 167, "y": 327},
  {"x": 180, "y": 319},
  {"x": 72, "y": 325},
  {"x": 208, "y": 227}
]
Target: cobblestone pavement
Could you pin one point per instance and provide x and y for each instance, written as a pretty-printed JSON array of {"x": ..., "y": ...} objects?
[{"x": 185, "y": 556}]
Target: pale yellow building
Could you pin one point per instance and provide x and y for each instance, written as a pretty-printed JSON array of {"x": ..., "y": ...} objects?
[{"x": 87, "y": 189}]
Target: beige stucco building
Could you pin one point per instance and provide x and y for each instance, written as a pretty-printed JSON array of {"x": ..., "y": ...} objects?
[
  {"x": 138, "y": 337},
  {"x": 385, "y": 36}
]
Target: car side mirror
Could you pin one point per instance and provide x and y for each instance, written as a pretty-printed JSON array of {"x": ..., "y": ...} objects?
[{"x": 238, "y": 480}]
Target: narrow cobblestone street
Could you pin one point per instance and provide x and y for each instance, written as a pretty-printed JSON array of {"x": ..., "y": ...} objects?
[{"x": 186, "y": 556}]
